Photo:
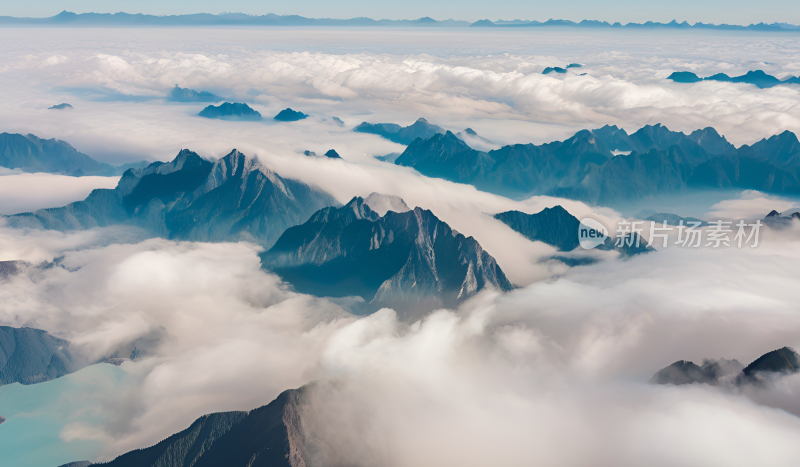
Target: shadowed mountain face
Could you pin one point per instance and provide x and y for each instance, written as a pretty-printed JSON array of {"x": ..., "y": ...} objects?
[
  {"x": 683, "y": 372},
  {"x": 289, "y": 115},
  {"x": 190, "y": 198},
  {"x": 30, "y": 356},
  {"x": 401, "y": 135},
  {"x": 31, "y": 154},
  {"x": 554, "y": 226},
  {"x": 584, "y": 167},
  {"x": 274, "y": 435},
  {"x": 410, "y": 261},
  {"x": 557, "y": 227},
  {"x": 781, "y": 361},
  {"x": 229, "y": 111},
  {"x": 772, "y": 364}
]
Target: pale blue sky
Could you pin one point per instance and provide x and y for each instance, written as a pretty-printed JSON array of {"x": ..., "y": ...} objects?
[{"x": 708, "y": 11}]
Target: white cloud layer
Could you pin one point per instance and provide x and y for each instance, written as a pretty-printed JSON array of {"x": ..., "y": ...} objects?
[{"x": 518, "y": 377}]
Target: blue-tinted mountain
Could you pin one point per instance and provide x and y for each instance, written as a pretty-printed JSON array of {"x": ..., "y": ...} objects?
[
  {"x": 30, "y": 356},
  {"x": 332, "y": 154},
  {"x": 398, "y": 134},
  {"x": 234, "y": 198},
  {"x": 584, "y": 166},
  {"x": 63, "y": 106},
  {"x": 410, "y": 261},
  {"x": 179, "y": 94},
  {"x": 770, "y": 365},
  {"x": 275, "y": 435},
  {"x": 231, "y": 111},
  {"x": 30, "y": 153},
  {"x": 757, "y": 78},
  {"x": 554, "y": 69},
  {"x": 557, "y": 227},
  {"x": 289, "y": 115}
]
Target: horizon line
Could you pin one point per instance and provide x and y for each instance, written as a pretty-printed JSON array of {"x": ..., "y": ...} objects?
[{"x": 271, "y": 19}]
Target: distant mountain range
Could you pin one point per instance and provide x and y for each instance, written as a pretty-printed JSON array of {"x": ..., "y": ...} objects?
[
  {"x": 410, "y": 261},
  {"x": 778, "y": 362},
  {"x": 30, "y": 153},
  {"x": 231, "y": 111},
  {"x": 179, "y": 94},
  {"x": 584, "y": 166},
  {"x": 190, "y": 198},
  {"x": 757, "y": 77},
  {"x": 30, "y": 356},
  {"x": 66, "y": 18},
  {"x": 419, "y": 129}
]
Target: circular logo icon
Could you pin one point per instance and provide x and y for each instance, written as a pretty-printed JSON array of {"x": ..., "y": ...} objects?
[{"x": 591, "y": 233}]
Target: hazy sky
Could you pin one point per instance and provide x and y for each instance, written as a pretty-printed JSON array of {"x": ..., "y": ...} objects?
[{"x": 709, "y": 11}]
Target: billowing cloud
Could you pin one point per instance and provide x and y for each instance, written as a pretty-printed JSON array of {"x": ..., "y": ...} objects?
[{"x": 520, "y": 376}]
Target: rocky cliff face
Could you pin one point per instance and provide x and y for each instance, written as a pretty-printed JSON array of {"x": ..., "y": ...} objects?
[
  {"x": 410, "y": 261},
  {"x": 189, "y": 198},
  {"x": 274, "y": 435}
]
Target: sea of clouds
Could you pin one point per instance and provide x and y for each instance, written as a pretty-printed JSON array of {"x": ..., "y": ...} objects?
[{"x": 554, "y": 372}]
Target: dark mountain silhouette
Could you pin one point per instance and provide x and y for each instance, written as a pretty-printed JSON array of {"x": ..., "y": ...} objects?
[
  {"x": 683, "y": 372},
  {"x": 179, "y": 94},
  {"x": 401, "y": 135},
  {"x": 274, "y": 435},
  {"x": 757, "y": 78},
  {"x": 234, "y": 198},
  {"x": 30, "y": 356},
  {"x": 781, "y": 361},
  {"x": 332, "y": 154},
  {"x": 229, "y": 111},
  {"x": 584, "y": 166},
  {"x": 772, "y": 364},
  {"x": 289, "y": 115},
  {"x": 410, "y": 261},
  {"x": 557, "y": 227},
  {"x": 63, "y": 106},
  {"x": 30, "y": 153}
]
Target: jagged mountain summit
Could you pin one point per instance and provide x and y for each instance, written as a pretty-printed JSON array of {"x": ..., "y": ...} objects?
[
  {"x": 30, "y": 356},
  {"x": 585, "y": 166},
  {"x": 231, "y": 111},
  {"x": 769, "y": 366},
  {"x": 401, "y": 135},
  {"x": 557, "y": 227},
  {"x": 30, "y": 153},
  {"x": 231, "y": 199},
  {"x": 179, "y": 94},
  {"x": 410, "y": 261}
]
